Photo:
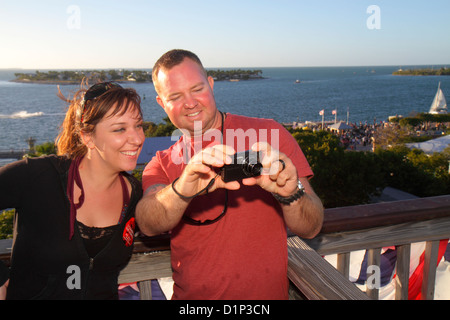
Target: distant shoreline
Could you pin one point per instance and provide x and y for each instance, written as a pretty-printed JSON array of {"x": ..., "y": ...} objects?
[
  {"x": 72, "y": 82},
  {"x": 422, "y": 72},
  {"x": 125, "y": 76},
  {"x": 66, "y": 82},
  {"x": 76, "y": 77}
]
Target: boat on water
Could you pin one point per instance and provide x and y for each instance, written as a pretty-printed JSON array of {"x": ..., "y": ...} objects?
[{"x": 439, "y": 105}]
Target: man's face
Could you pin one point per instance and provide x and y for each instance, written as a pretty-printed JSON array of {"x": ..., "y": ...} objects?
[{"x": 186, "y": 94}]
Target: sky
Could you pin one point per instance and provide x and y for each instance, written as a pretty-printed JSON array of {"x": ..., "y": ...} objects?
[{"x": 61, "y": 34}]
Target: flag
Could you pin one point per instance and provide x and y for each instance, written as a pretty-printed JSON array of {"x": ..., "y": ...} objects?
[
  {"x": 321, "y": 112},
  {"x": 415, "y": 279},
  {"x": 388, "y": 258},
  {"x": 334, "y": 112}
]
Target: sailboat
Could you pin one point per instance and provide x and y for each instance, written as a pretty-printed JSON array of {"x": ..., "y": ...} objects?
[{"x": 439, "y": 105}]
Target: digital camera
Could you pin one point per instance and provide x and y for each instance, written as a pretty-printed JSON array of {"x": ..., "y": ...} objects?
[{"x": 245, "y": 164}]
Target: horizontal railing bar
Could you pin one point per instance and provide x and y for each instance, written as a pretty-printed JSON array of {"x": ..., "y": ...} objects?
[
  {"x": 383, "y": 214},
  {"x": 315, "y": 277},
  {"x": 394, "y": 235}
]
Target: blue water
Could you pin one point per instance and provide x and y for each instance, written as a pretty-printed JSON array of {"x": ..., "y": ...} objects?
[{"x": 368, "y": 93}]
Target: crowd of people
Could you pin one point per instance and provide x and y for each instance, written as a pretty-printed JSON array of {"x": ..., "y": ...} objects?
[
  {"x": 356, "y": 137},
  {"x": 360, "y": 137}
]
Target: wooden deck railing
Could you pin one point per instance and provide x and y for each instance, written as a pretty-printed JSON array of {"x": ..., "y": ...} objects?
[
  {"x": 375, "y": 226},
  {"x": 345, "y": 229}
]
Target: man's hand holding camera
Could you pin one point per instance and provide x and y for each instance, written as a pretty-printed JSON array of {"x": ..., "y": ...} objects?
[
  {"x": 262, "y": 165},
  {"x": 272, "y": 170},
  {"x": 200, "y": 175},
  {"x": 278, "y": 174}
]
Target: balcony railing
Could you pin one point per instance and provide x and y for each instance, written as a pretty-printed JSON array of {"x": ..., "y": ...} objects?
[{"x": 345, "y": 229}]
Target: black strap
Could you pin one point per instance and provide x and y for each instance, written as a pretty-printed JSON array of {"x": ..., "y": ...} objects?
[
  {"x": 198, "y": 193},
  {"x": 194, "y": 222}
]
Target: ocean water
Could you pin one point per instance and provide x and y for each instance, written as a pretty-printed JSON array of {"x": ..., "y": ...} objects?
[{"x": 367, "y": 93}]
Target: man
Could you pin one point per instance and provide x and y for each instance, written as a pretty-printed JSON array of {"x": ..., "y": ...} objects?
[{"x": 228, "y": 239}]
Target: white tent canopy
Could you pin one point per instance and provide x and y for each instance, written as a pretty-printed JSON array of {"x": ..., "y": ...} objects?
[
  {"x": 340, "y": 126},
  {"x": 431, "y": 146}
]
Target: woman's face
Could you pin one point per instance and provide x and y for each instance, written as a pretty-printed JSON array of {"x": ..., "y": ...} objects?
[{"x": 117, "y": 140}]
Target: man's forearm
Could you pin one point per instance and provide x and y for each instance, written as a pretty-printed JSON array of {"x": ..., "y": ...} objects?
[
  {"x": 304, "y": 217},
  {"x": 160, "y": 210}
]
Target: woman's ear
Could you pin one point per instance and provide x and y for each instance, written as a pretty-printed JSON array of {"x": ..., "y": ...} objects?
[{"x": 86, "y": 139}]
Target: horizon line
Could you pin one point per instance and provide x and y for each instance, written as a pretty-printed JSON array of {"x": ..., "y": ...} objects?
[{"x": 239, "y": 67}]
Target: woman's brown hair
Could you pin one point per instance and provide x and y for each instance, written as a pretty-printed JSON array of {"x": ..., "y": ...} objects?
[{"x": 86, "y": 109}]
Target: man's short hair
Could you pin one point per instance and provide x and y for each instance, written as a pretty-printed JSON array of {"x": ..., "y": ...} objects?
[{"x": 171, "y": 59}]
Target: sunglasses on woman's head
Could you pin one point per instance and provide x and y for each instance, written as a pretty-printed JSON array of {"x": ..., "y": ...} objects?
[{"x": 96, "y": 91}]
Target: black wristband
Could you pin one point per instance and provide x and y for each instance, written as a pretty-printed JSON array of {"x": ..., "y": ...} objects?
[
  {"x": 288, "y": 200},
  {"x": 197, "y": 194}
]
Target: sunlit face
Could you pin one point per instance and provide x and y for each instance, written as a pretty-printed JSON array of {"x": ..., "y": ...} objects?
[
  {"x": 117, "y": 141},
  {"x": 186, "y": 94}
]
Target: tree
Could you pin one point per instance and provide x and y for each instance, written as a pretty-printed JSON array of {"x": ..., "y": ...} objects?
[
  {"x": 159, "y": 130},
  {"x": 390, "y": 136},
  {"x": 6, "y": 224},
  {"x": 341, "y": 178},
  {"x": 414, "y": 172},
  {"x": 43, "y": 149}
]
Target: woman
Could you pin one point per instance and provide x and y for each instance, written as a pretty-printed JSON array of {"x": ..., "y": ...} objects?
[{"x": 76, "y": 210}]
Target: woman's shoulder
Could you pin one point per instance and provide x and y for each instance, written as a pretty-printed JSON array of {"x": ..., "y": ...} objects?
[
  {"x": 60, "y": 163},
  {"x": 41, "y": 162}
]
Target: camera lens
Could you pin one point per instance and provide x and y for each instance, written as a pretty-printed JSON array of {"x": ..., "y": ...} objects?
[{"x": 251, "y": 169}]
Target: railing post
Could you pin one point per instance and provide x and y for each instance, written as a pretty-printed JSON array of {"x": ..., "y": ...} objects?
[
  {"x": 429, "y": 269},
  {"x": 145, "y": 290},
  {"x": 343, "y": 264},
  {"x": 402, "y": 272},
  {"x": 373, "y": 260}
]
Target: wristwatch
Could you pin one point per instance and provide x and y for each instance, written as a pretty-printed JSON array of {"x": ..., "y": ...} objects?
[{"x": 297, "y": 195}]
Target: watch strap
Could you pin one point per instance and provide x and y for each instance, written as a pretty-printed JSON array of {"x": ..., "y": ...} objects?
[{"x": 288, "y": 200}]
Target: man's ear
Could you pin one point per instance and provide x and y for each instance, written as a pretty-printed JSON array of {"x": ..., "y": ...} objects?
[
  {"x": 160, "y": 101},
  {"x": 211, "y": 82}
]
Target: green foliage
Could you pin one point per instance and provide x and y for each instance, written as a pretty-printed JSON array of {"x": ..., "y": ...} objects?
[
  {"x": 6, "y": 224},
  {"x": 238, "y": 74},
  {"x": 415, "y": 172},
  {"x": 137, "y": 173},
  {"x": 159, "y": 130},
  {"x": 413, "y": 122},
  {"x": 46, "y": 148},
  {"x": 424, "y": 72},
  {"x": 344, "y": 178},
  {"x": 77, "y": 76},
  {"x": 421, "y": 118},
  {"x": 341, "y": 178},
  {"x": 43, "y": 149}
]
